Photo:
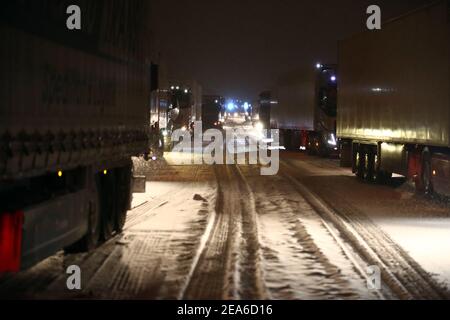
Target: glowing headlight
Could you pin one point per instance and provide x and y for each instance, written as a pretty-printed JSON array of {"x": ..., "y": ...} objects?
[
  {"x": 183, "y": 128},
  {"x": 259, "y": 126},
  {"x": 164, "y": 133},
  {"x": 332, "y": 140}
]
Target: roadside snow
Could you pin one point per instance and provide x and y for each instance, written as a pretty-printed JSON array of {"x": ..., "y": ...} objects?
[{"x": 427, "y": 240}]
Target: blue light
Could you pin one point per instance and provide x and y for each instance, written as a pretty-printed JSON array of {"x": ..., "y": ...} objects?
[
  {"x": 230, "y": 106},
  {"x": 246, "y": 106},
  {"x": 333, "y": 78}
]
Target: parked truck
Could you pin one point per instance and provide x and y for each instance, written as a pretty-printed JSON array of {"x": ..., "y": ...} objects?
[
  {"x": 74, "y": 109},
  {"x": 305, "y": 112},
  {"x": 261, "y": 112},
  {"x": 393, "y": 100},
  {"x": 211, "y": 111}
]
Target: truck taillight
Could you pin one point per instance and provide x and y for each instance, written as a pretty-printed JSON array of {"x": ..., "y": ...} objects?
[{"x": 10, "y": 241}]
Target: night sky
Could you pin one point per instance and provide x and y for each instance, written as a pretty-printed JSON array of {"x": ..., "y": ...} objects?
[{"x": 238, "y": 48}]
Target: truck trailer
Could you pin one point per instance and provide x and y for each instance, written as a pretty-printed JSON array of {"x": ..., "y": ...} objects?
[
  {"x": 211, "y": 111},
  {"x": 305, "y": 112},
  {"x": 74, "y": 109},
  {"x": 393, "y": 100}
]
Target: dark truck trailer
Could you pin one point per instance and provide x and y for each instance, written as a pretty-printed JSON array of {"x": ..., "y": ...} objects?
[
  {"x": 73, "y": 111},
  {"x": 393, "y": 100},
  {"x": 305, "y": 112},
  {"x": 211, "y": 109},
  {"x": 262, "y": 111}
]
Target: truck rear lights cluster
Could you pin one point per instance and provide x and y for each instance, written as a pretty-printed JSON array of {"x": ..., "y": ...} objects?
[{"x": 10, "y": 241}]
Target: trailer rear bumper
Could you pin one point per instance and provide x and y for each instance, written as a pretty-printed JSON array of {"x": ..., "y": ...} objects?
[{"x": 31, "y": 235}]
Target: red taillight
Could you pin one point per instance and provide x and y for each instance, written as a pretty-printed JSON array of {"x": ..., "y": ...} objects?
[{"x": 10, "y": 241}]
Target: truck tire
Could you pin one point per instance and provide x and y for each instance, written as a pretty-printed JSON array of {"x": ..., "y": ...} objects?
[
  {"x": 92, "y": 236},
  {"x": 108, "y": 204},
  {"x": 123, "y": 195},
  {"x": 360, "y": 162},
  {"x": 369, "y": 165},
  {"x": 426, "y": 175}
]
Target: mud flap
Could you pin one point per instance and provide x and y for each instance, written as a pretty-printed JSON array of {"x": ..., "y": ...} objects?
[{"x": 138, "y": 184}]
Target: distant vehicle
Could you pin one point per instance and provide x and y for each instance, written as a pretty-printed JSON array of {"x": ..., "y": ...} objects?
[
  {"x": 304, "y": 110},
  {"x": 394, "y": 103},
  {"x": 184, "y": 108},
  {"x": 73, "y": 111},
  {"x": 211, "y": 112},
  {"x": 262, "y": 111}
]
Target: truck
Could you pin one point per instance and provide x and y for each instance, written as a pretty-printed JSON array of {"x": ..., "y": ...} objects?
[
  {"x": 74, "y": 109},
  {"x": 261, "y": 112},
  {"x": 305, "y": 109},
  {"x": 211, "y": 111},
  {"x": 185, "y": 107},
  {"x": 159, "y": 106},
  {"x": 393, "y": 100}
]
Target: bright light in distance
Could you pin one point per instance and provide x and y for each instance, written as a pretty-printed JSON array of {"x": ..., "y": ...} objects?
[
  {"x": 164, "y": 133},
  {"x": 178, "y": 88},
  {"x": 246, "y": 106},
  {"x": 332, "y": 140},
  {"x": 259, "y": 126},
  {"x": 183, "y": 128},
  {"x": 318, "y": 65},
  {"x": 186, "y": 90},
  {"x": 172, "y": 87},
  {"x": 154, "y": 158},
  {"x": 333, "y": 78},
  {"x": 230, "y": 106},
  {"x": 303, "y": 148},
  {"x": 216, "y": 101}
]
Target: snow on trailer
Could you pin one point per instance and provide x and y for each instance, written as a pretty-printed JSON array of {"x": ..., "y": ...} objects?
[{"x": 393, "y": 100}]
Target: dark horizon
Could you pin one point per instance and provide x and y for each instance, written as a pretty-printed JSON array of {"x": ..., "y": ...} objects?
[{"x": 238, "y": 49}]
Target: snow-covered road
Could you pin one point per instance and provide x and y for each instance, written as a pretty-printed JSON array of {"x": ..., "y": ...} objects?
[{"x": 226, "y": 232}]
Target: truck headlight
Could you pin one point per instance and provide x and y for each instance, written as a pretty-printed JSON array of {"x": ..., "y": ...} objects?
[
  {"x": 259, "y": 126},
  {"x": 332, "y": 141}
]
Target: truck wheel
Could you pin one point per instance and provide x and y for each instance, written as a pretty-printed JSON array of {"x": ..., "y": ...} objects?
[
  {"x": 92, "y": 236},
  {"x": 108, "y": 204},
  {"x": 369, "y": 167},
  {"x": 426, "y": 174},
  {"x": 360, "y": 162},
  {"x": 123, "y": 195}
]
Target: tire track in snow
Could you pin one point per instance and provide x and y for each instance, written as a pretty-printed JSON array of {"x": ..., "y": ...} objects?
[
  {"x": 295, "y": 265},
  {"x": 212, "y": 276},
  {"x": 229, "y": 265},
  {"x": 251, "y": 283},
  {"x": 400, "y": 273}
]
